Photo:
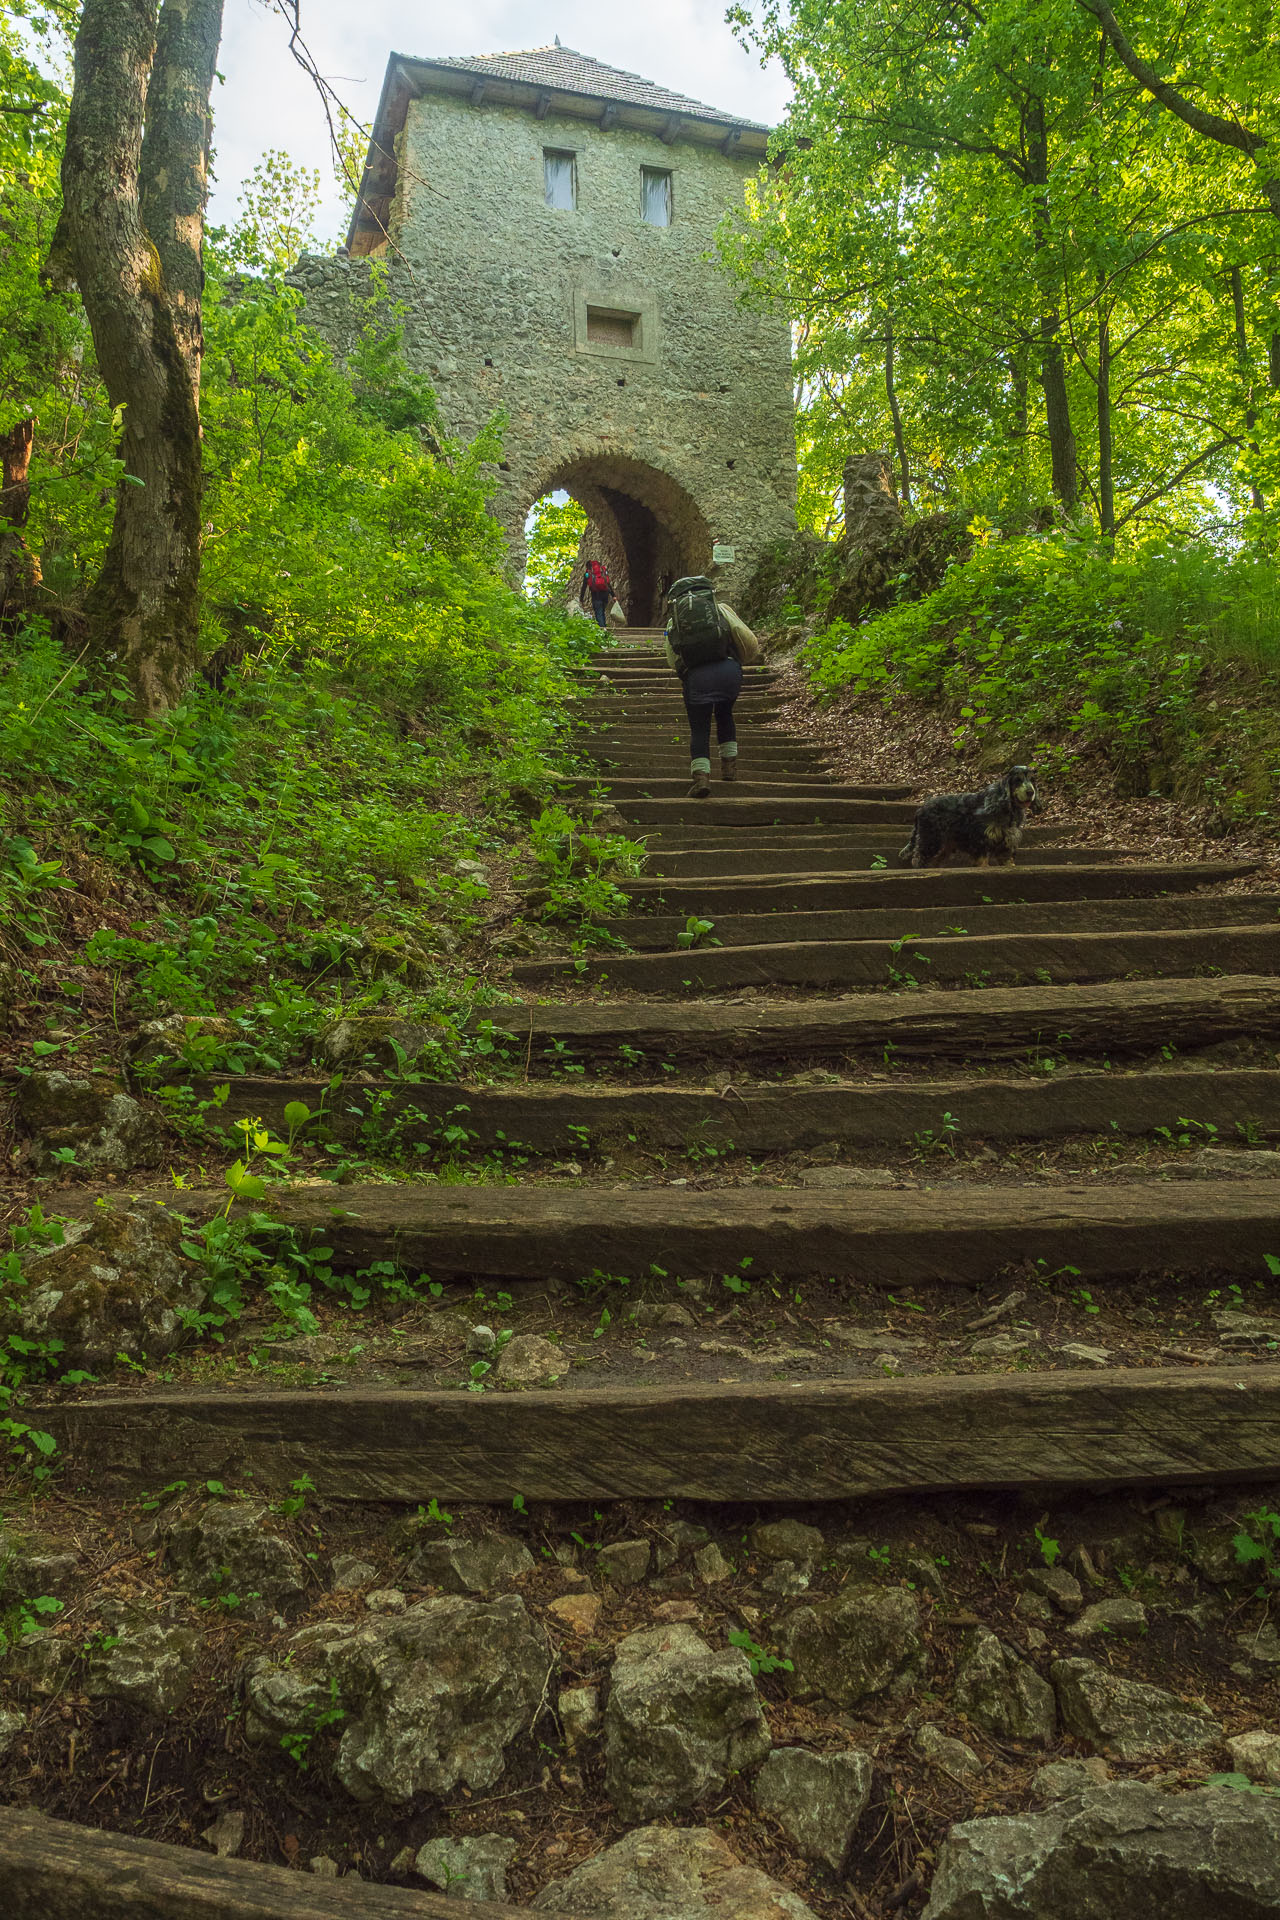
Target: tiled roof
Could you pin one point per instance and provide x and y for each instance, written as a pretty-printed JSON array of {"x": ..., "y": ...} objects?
[{"x": 565, "y": 71}]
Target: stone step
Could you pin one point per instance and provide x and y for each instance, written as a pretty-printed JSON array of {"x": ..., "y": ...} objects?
[
  {"x": 882, "y": 964},
  {"x": 798, "y": 1440},
  {"x": 1108, "y": 1019},
  {"x": 1051, "y": 876},
  {"x": 881, "y": 1238},
  {"x": 555, "y": 1117},
  {"x": 658, "y": 932}
]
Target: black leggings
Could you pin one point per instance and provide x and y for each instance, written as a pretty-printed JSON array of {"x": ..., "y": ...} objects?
[{"x": 709, "y": 692}]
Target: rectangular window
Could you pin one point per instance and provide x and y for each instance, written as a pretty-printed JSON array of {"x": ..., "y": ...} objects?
[
  {"x": 606, "y": 327},
  {"x": 560, "y": 178},
  {"x": 655, "y": 196}
]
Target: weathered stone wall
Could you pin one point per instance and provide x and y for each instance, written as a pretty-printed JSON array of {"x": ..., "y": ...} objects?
[{"x": 694, "y": 423}]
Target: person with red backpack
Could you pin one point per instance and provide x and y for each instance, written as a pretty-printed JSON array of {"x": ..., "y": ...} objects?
[
  {"x": 596, "y": 582},
  {"x": 708, "y": 645}
]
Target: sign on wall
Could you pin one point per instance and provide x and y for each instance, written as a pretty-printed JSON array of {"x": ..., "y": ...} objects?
[{"x": 723, "y": 556}]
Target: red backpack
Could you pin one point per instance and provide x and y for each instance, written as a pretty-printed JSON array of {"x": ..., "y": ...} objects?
[{"x": 597, "y": 579}]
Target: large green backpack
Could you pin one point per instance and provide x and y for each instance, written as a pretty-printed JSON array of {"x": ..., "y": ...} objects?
[{"x": 696, "y": 628}]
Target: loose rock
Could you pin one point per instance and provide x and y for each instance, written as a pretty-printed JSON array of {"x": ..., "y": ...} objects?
[
  {"x": 469, "y": 1566},
  {"x": 473, "y": 1867},
  {"x": 867, "y": 1641},
  {"x": 225, "y": 1549},
  {"x": 1001, "y": 1693},
  {"x": 1123, "y": 1849},
  {"x": 12, "y": 1724},
  {"x": 350, "y": 1573},
  {"x": 146, "y": 1663},
  {"x": 530, "y": 1361},
  {"x": 579, "y": 1710},
  {"x": 1057, "y": 1585},
  {"x": 119, "y": 1283},
  {"x": 711, "y": 1565},
  {"x": 1257, "y": 1755},
  {"x": 579, "y": 1612},
  {"x": 785, "y": 1540},
  {"x": 671, "y": 1873},
  {"x": 1124, "y": 1616},
  {"x": 226, "y": 1835},
  {"x": 382, "y": 1036},
  {"x": 1085, "y": 1356},
  {"x": 951, "y": 1756},
  {"x": 104, "y": 1126},
  {"x": 429, "y": 1698},
  {"x": 625, "y": 1562},
  {"x": 681, "y": 1717},
  {"x": 816, "y": 1798},
  {"x": 1061, "y": 1778},
  {"x": 1127, "y": 1717}
]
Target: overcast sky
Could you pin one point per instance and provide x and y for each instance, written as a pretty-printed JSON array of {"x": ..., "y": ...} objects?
[{"x": 267, "y": 102}]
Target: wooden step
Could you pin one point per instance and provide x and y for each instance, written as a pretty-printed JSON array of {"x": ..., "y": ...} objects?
[
  {"x": 1112, "y": 1018},
  {"x": 953, "y": 1234},
  {"x": 724, "y": 809},
  {"x": 793, "y": 1441},
  {"x": 700, "y": 874},
  {"x": 1030, "y": 879},
  {"x": 56, "y": 1870},
  {"x": 675, "y": 786},
  {"x": 969, "y": 960},
  {"x": 660, "y": 932},
  {"x": 555, "y": 1117}
]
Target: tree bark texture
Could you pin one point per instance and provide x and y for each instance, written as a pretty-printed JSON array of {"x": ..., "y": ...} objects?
[
  {"x": 895, "y": 412},
  {"x": 1246, "y": 375},
  {"x": 19, "y": 567},
  {"x": 141, "y": 296},
  {"x": 1106, "y": 475}
]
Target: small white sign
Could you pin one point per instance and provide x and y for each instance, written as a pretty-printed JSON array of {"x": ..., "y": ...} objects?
[{"x": 723, "y": 556}]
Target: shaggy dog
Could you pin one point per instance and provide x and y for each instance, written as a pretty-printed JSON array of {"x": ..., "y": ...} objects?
[{"x": 986, "y": 825}]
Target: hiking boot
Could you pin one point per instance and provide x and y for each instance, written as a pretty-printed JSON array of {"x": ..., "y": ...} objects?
[
  {"x": 729, "y": 768},
  {"x": 701, "y": 787}
]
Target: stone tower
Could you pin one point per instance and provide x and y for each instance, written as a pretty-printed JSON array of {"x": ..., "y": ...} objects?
[{"x": 548, "y": 220}]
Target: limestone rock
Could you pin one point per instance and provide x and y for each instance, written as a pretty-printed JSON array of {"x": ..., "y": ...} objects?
[
  {"x": 385, "y": 1600},
  {"x": 429, "y": 1698},
  {"x": 1257, "y": 1755},
  {"x": 530, "y": 1361},
  {"x": 1058, "y": 1586},
  {"x": 625, "y": 1562},
  {"x": 785, "y": 1540},
  {"x": 1000, "y": 1692},
  {"x": 866, "y": 1641},
  {"x": 351, "y": 1573},
  {"x": 472, "y": 1867},
  {"x": 469, "y": 1566},
  {"x": 849, "y": 1177},
  {"x": 228, "y": 1547},
  {"x": 711, "y": 1565},
  {"x": 226, "y": 1835},
  {"x": 106, "y": 1127},
  {"x": 681, "y": 1717},
  {"x": 1128, "y": 1718},
  {"x": 1061, "y": 1778},
  {"x": 30, "y": 1567},
  {"x": 119, "y": 1283},
  {"x": 377, "y": 1035},
  {"x": 196, "y": 1040},
  {"x": 579, "y": 1710},
  {"x": 671, "y": 1873},
  {"x": 951, "y": 1756},
  {"x": 816, "y": 1798},
  {"x": 12, "y": 1724},
  {"x": 579, "y": 1612},
  {"x": 1124, "y": 1616},
  {"x": 1122, "y": 1849},
  {"x": 1081, "y": 1354},
  {"x": 146, "y": 1663}
]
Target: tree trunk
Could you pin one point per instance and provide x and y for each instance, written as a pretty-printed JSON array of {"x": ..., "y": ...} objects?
[
  {"x": 1053, "y": 372},
  {"x": 19, "y": 568},
  {"x": 1246, "y": 380},
  {"x": 895, "y": 412},
  {"x": 141, "y": 293},
  {"x": 1106, "y": 480}
]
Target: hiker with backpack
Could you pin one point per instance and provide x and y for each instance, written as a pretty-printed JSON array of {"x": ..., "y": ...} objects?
[
  {"x": 596, "y": 582},
  {"x": 708, "y": 645}
]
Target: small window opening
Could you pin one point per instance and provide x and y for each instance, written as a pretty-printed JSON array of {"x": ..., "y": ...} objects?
[
  {"x": 608, "y": 328},
  {"x": 622, "y": 383},
  {"x": 488, "y": 363},
  {"x": 560, "y": 178},
  {"x": 655, "y": 196}
]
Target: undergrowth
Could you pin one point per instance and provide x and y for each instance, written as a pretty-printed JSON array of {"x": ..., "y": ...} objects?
[{"x": 1166, "y": 660}]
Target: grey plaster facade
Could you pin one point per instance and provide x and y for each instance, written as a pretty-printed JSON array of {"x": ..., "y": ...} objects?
[{"x": 675, "y": 435}]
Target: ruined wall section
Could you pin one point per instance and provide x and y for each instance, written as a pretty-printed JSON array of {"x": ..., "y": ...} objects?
[{"x": 499, "y": 283}]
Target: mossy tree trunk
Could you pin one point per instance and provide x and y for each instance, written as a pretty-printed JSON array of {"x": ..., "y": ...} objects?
[{"x": 134, "y": 181}]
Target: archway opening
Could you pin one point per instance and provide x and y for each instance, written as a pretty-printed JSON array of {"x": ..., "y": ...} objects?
[{"x": 641, "y": 524}]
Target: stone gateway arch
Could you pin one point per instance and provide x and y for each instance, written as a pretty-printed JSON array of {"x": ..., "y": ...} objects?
[{"x": 548, "y": 220}]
